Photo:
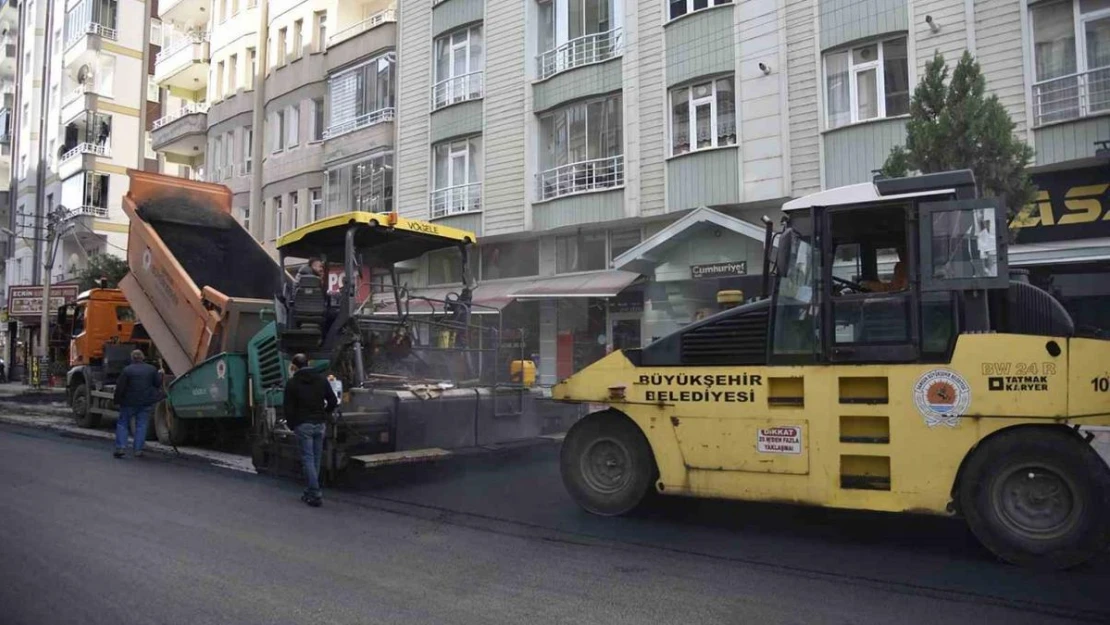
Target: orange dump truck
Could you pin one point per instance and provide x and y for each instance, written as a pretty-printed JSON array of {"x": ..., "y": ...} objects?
[{"x": 201, "y": 286}]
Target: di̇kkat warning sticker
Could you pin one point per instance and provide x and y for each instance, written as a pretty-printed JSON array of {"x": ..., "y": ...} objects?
[
  {"x": 779, "y": 440},
  {"x": 942, "y": 397}
]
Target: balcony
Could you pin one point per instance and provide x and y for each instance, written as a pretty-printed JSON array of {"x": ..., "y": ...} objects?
[
  {"x": 463, "y": 198},
  {"x": 85, "y": 211},
  {"x": 187, "y": 11},
  {"x": 80, "y": 158},
  {"x": 84, "y": 43},
  {"x": 8, "y": 61},
  {"x": 362, "y": 121},
  {"x": 183, "y": 63},
  {"x": 583, "y": 177},
  {"x": 1071, "y": 97},
  {"x": 585, "y": 50},
  {"x": 377, "y": 19},
  {"x": 182, "y": 132},
  {"x": 458, "y": 89},
  {"x": 79, "y": 100}
]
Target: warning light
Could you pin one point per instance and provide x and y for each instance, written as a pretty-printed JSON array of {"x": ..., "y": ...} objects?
[{"x": 393, "y": 218}]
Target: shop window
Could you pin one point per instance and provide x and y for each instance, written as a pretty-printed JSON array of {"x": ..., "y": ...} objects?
[
  {"x": 444, "y": 267},
  {"x": 620, "y": 241},
  {"x": 510, "y": 260},
  {"x": 584, "y": 251},
  {"x": 582, "y": 336}
]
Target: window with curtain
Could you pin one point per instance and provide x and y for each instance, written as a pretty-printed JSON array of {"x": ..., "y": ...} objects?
[
  {"x": 365, "y": 185},
  {"x": 361, "y": 96},
  {"x": 582, "y": 147},
  {"x": 867, "y": 82},
  {"x": 1071, "y": 57},
  {"x": 458, "y": 67},
  {"x": 576, "y": 32},
  {"x": 456, "y": 177},
  {"x": 703, "y": 115}
]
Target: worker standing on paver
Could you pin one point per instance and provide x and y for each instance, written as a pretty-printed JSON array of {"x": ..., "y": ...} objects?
[
  {"x": 309, "y": 400},
  {"x": 138, "y": 389}
]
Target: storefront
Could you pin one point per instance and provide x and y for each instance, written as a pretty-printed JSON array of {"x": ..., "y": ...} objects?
[
  {"x": 689, "y": 264},
  {"x": 25, "y": 320},
  {"x": 1064, "y": 241}
]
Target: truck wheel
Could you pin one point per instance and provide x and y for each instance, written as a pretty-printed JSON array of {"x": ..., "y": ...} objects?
[
  {"x": 79, "y": 401},
  {"x": 607, "y": 465},
  {"x": 169, "y": 429},
  {"x": 1038, "y": 498}
]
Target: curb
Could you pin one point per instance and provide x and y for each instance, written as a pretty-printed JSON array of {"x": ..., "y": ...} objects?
[{"x": 67, "y": 428}]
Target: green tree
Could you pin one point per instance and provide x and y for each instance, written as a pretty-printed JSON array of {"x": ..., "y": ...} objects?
[
  {"x": 955, "y": 126},
  {"x": 107, "y": 266}
]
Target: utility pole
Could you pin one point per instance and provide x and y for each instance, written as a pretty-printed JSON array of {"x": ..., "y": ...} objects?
[
  {"x": 56, "y": 228},
  {"x": 40, "y": 177}
]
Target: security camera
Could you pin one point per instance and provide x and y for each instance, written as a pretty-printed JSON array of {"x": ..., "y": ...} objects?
[
  {"x": 763, "y": 67},
  {"x": 932, "y": 25}
]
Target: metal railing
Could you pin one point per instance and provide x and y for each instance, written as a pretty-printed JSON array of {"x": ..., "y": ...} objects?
[
  {"x": 77, "y": 93},
  {"x": 179, "y": 44},
  {"x": 595, "y": 175},
  {"x": 580, "y": 51},
  {"x": 86, "y": 211},
  {"x": 377, "y": 19},
  {"x": 458, "y": 89},
  {"x": 86, "y": 148},
  {"x": 92, "y": 28},
  {"x": 188, "y": 109},
  {"x": 1071, "y": 97},
  {"x": 462, "y": 198},
  {"x": 362, "y": 121}
]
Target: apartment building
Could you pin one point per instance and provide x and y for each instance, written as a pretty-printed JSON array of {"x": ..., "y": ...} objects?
[
  {"x": 81, "y": 122},
  {"x": 9, "y": 73},
  {"x": 615, "y": 156}
]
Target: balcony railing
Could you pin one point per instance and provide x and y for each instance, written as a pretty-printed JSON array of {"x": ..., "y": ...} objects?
[
  {"x": 362, "y": 121},
  {"x": 377, "y": 19},
  {"x": 86, "y": 211},
  {"x": 463, "y": 198},
  {"x": 86, "y": 148},
  {"x": 179, "y": 44},
  {"x": 596, "y": 175},
  {"x": 1071, "y": 97},
  {"x": 580, "y": 51},
  {"x": 188, "y": 109},
  {"x": 458, "y": 89},
  {"x": 92, "y": 28}
]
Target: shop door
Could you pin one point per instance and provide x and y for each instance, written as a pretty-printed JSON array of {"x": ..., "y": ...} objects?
[{"x": 625, "y": 331}]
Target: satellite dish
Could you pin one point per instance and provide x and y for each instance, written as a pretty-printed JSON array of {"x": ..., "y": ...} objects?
[{"x": 84, "y": 74}]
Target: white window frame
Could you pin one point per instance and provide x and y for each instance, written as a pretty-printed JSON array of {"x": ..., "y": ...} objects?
[
  {"x": 320, "y": 30},
  {"x": 692, "y": 105},
  {"x": 232, "y": 74},
  {"x": 279, "y": 216},
  {"x": 245, "y": 217},
  {"x": 248, "y": 149},
  {"x": 315, "y": 203},
  {"x": 295, "y": 209},
  {"x": 1082, "y": 86},
  {"x": 452, "y": 89},
  {"x": 252, "y": 68},
  {"x": 448, "y": 197},
  {"x": 298, "y": 39},
  {"x": 854, "y": 69},
  {"x": 278, "y": 131},
  {"x": 690, "y": 8},
  {"x": 292, "y": 126},
  {"x": 281, "y": 51},
  {"x": 319, "y": 120}
]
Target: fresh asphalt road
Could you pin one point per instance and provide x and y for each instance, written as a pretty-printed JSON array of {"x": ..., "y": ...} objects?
[{"x": 88, "y": 539}]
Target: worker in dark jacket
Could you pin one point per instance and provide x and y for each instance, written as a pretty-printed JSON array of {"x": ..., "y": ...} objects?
[
  {"x": 309, "y": 402},
  {"x": 139, "y": 387}
]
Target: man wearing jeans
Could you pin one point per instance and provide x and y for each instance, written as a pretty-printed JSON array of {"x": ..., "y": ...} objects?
[
  {"x": 308, "y": 402},
  {"x": 139, "y": 387}
]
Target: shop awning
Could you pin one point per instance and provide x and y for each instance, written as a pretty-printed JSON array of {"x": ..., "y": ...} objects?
[
  {"x": 1057, "y": 252},
  {"x": 491, "y": 297},
  {"x": 598, "y": 284},
  {"x": 645, "y": 257}
]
